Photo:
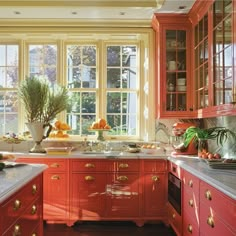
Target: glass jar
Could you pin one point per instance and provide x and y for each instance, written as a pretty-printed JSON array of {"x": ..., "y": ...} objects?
[{"x": 202, "y": 148}]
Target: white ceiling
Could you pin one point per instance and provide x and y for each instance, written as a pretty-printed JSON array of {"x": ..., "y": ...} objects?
[{"x": 122, "y": 10}]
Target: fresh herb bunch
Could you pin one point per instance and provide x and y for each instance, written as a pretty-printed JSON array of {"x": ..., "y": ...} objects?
[
  {"x": 221, "y": 134},
  {"x": 42, "y": 103}
]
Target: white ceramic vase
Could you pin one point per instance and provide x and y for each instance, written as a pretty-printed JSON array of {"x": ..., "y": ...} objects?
[{"x": 37, "y": 131}]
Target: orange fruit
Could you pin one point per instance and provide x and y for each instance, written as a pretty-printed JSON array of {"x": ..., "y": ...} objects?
[
  {"x": 107, "y": 126},
  {"x": 57, "y": 124},
  {"x": 95, "y": 125},
  {"x": 102, "y": 123},
  {"x": 59, "y": 134}
]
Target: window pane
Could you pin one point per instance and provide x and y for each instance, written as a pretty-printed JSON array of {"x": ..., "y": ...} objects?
[
  {"x": 43, "y": 61},
  {"x": 113, "y": 56},
  {"x": 8, "y": 112},
  {"x": 81, "y": 66},
  {"x": 81, "y": 112},
  {"x": 9, "y": 66}
]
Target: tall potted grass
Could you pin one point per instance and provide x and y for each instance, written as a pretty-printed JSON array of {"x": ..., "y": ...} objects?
[{"x": 42, "y": 103}]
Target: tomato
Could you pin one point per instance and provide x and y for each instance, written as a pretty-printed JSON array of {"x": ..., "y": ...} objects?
[{"x": 217, "y": 156}]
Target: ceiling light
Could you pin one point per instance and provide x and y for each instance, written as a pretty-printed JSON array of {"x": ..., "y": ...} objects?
[
  {"x": 122, "y": 13},
  {"x": 74, "y": 12},
  {"x": 182, "y": 7},
  {"x": 17, "y": 12}
]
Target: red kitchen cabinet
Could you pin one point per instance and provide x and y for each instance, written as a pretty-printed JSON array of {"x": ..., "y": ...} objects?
[
  {"x": 217, "y": 212},
  {"x": 154, "y": 182},
  {"x": 190, "y": 201},
  {"x": 55, "y": 190},
  {"x": 173, "y": 68},
  {"x": 21, "y": 214},
  {"x": 214, "y": 64}
]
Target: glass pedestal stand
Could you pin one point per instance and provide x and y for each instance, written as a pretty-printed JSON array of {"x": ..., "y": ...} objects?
[{"x": 100, "y": 136}]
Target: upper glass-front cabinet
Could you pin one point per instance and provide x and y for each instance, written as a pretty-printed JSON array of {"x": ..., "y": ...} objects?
[
  {"x": 176, "y": 74},
  {"x": 222, "y": 52},
  {"x": 201, "y": 64}
]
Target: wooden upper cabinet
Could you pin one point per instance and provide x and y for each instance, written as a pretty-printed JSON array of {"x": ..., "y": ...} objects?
[
  {"x": 214, "y": 86},
  {"x": 173, "y": 58}
]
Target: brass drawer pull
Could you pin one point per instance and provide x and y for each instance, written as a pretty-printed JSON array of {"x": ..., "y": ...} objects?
[
  {"x": 33, "y": 210},
  {"x": 190, "y": 203},
  {"x": 122, "y": 178},
  {"x": 208, "y": 195},
  {"x": 16, "y": 230},
  {"x": 55, "y": 177},
  {"x": 17, "y": 205},
  {"x": 34, "y": 189},
  {"x": 210, "y": 221},
  {"x": 89, "y": 178},
  {"x": 89, "y": 165},
  {"x": 190, "y": 228},
  {"x": 190, "y": 183},
  {"x": 55, "y": 165},
  {"x": 123, "y": 165},
  {"x": 34, "y": 234},
  {"x": 155, "y": 178}
]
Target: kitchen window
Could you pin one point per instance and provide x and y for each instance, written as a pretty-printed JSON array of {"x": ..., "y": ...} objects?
[{"x": 106, "y": 79}]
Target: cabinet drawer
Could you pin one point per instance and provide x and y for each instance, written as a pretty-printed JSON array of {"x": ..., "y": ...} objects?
[
  {"x": 189, "y": 227},
  {"x": 28, "y": 221},
  {"x": 211, "y": 224},
  {"x": 174, "y": 169},
  {"x": 190, "y": 183},
  {"x": 174, "y": 219},
  {"x": 127, "y": 165},
  {"x": 90, "y": 165},
  {"x": 217, "y": 202},
  {"x": 154, "y": 165},
  {"x": 57, "y": 164},
  {"x": 17, "y": 204},
  {"x": 191, "y": 207}
]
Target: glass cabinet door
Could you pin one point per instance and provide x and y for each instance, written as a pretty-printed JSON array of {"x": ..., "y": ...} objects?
[
  {"x": 222, "y": 52},
  {"x": 201, "y": 79},
  {"x": 176, "y": 72}
]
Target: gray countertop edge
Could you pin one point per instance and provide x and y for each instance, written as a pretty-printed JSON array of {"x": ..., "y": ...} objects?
[
  {"x": 8, "y": 188},
  {"x": 222, "y": 180}
]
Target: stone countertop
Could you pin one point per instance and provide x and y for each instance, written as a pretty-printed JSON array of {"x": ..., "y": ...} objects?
[
  {"x": 222, "y": 179},
  {"x": 12, "y": 179}
]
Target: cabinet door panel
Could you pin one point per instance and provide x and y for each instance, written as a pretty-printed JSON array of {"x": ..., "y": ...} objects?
[
  {"x": 55, "y": 195},
  {"x": 123, "y": 195},
  {"x": 154, "y": 194},
  {"x": 89, "y": 195}
]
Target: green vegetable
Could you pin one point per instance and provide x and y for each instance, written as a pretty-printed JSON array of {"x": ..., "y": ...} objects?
[
  {"x": 2, "y": 166},
  {"x": 221, "y": 134}
]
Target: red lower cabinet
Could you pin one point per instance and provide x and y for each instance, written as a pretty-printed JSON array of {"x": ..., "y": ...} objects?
[
  {"x": 217, "y": 212},
  {"x": 23, "y": 211}
]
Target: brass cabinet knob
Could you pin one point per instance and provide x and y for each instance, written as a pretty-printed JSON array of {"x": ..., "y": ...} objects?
[
  {"x": 34, "y": 234},
  {"x": 54, "y": 165},
  {"x": 190, "y": 183},
  {"x": 210, "y": 221},
  {"x": 123, "y": 165},
  {"x": 155, "y": 178},
  {"x": 208, "y": 195},
  {"x": 173, "y": 215},
  {"x": 33, "y": 210},
  {"x": 55, "y": 177},
  {"x": 190, "y": 228},
  {"x": 17, "y": 205},
  {"x": 16, "y": 231},
  {"x": 122, "y": 178},
  {"x": 34, "y": 189},
  {"x": 190, "y": 202},
  {"x": 89, "y": 178},
  {"x": 89, "y": 165}
]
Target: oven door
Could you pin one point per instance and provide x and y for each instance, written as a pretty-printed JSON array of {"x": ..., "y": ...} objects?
[{"x": 174, "y": 192}]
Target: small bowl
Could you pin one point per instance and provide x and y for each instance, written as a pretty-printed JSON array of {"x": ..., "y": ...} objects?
[
  {"x": 181, "y": 88},
  {"x": 148, "y": 150},
  {"x": 181, "y": 81}
]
